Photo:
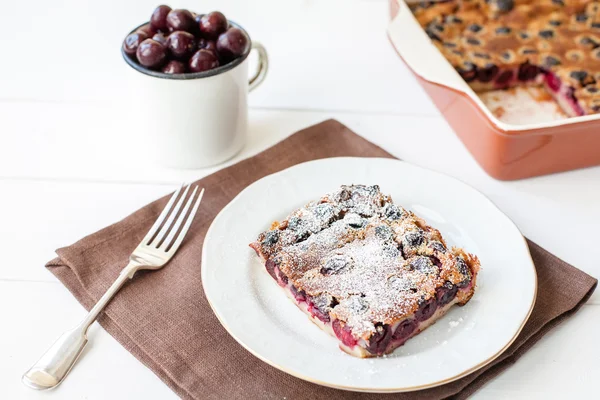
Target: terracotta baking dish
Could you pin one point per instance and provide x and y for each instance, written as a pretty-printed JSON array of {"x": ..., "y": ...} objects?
[{"x": 505, "y": 151}]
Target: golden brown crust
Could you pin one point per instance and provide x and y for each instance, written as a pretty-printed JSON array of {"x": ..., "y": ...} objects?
[{"x": 559, "y": 36}]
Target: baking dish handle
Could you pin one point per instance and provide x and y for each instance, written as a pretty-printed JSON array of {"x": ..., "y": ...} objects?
[{"x": 417, "y": 51}]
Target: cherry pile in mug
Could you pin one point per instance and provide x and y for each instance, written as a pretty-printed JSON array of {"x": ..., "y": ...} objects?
[{"x": 179, "y": 41}]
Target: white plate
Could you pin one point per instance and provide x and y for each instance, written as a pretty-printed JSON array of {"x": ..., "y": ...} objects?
[{"x": 257, "y": 313}]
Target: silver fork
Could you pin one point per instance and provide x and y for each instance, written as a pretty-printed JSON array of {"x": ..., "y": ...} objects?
[{"x": 152, "y": 253}]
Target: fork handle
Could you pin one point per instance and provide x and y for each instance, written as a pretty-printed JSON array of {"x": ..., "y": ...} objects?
[{"x": 52, "y": 368}]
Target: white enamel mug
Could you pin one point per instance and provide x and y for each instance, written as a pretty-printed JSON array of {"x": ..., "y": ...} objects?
[{"x": 196, "y": 120}]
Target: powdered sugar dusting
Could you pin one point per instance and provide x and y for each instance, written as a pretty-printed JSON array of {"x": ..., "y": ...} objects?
[
  {"x": 376, "y": 287},
  {"x": 360, "y": 258}
]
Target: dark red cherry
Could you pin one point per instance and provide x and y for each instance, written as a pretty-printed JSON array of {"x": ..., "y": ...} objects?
[
  {"x": 404, "y": 330},
  {"x": 232, "y": 44},
  {"x": 207, "y": 44},
  {"x": 174, "y": 67},
  {"x": 553, "y": 82},
  {"x": 270, "y": 267},
  {"x": 379, "y": 341},
  {"x": 488, "y": 73},
  {"x": 343, "y": 333},
  {"x": 465, "y": 271},
  {"x": 213, "y": 24},
  {"x": 426, "y": 309},
  {"x": 158, "y": 20},
  {"x": 528, "y": 72},
  {"x": 147, "y": 29},
  {"x": 181, "y": 44},
  {"x": 299, "y": 295},
  {"x": 336, "y": 264},
  {"x": 132, "y": 42},
  {"x": 445, "y": 294},
  {"x": 151, "y": 54},
  {"x": 180, "y": 20},
  {"x": 197, "y": 18},
  {"x": 319, "y": 306},
  {"x": 468, "y": 71},
  {"x": 160, "y": 38},
  {"x": 282, "y": 280},
  {"x": 504, "y": 78},
  {"x": 203, "y": 60}
]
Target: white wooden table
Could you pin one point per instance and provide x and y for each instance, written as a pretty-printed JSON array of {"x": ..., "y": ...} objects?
[{"x": 64, "y": 174}]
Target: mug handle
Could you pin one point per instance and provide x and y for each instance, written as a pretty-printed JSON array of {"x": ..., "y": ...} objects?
[{"x": 263, "y": 66}]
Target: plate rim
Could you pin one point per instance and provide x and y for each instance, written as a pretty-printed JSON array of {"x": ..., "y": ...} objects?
[{"x": 367, "y": 389}]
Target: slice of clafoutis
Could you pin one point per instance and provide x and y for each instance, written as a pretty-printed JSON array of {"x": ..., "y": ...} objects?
[{"x": 365, "y": 270}]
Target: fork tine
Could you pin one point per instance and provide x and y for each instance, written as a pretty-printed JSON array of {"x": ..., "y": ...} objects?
[
  {"x": 177, "y": 224},
  {"x": 186, "y": 226},
  {"x": 162, "y": 216},
  {"x": 165, "y": 228}
]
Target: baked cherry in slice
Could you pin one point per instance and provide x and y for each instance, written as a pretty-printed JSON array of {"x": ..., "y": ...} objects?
[
  {"x": 379, "y": 341},
  {"x": 343, "y": 333},
  {"x": 446, "y": 293},
  {"x": 299, "y": 295},
  {"x": 528, "y": 72},
  {"x": 426, "y": 309},
  {"x": 504, "y": 78},
  {"x": 468, "y": 72},
  {"x": 488, "y": 73},
  {"x": 270, "y": 267},
  {"x": 319, "y": 306},
  {"x": 404, "y": 330},
  {"x": 465, "y": 271},
  {"x": 553, "y": 82}
]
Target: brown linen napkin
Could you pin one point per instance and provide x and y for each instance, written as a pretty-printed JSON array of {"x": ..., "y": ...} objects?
[{"x": 163, "y": 317}]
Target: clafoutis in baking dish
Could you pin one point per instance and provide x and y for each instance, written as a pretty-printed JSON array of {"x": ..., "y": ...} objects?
[
  {"x": 498, "y": 44},
  {"x": 502, "y": 43}
]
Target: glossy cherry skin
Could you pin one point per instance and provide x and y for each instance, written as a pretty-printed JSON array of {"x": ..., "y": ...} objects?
[
  {"x": 213, "y": 24},
  {"x": 158, "y": 20},
  {"x": 174, "y": 67},
  {"x": 180, "y": 20},
  {"x": 147, "y": 29},
  {"x": 181, "y": 44},
  {"x": 151, "y": 54},
  {"x": 160, "y": 38},
  {"x": 203, "y": 60},
  {"x": 207, "y": 44},
  {"x": 133, "y": 41},
  {"x": 232, "y": 44}
]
